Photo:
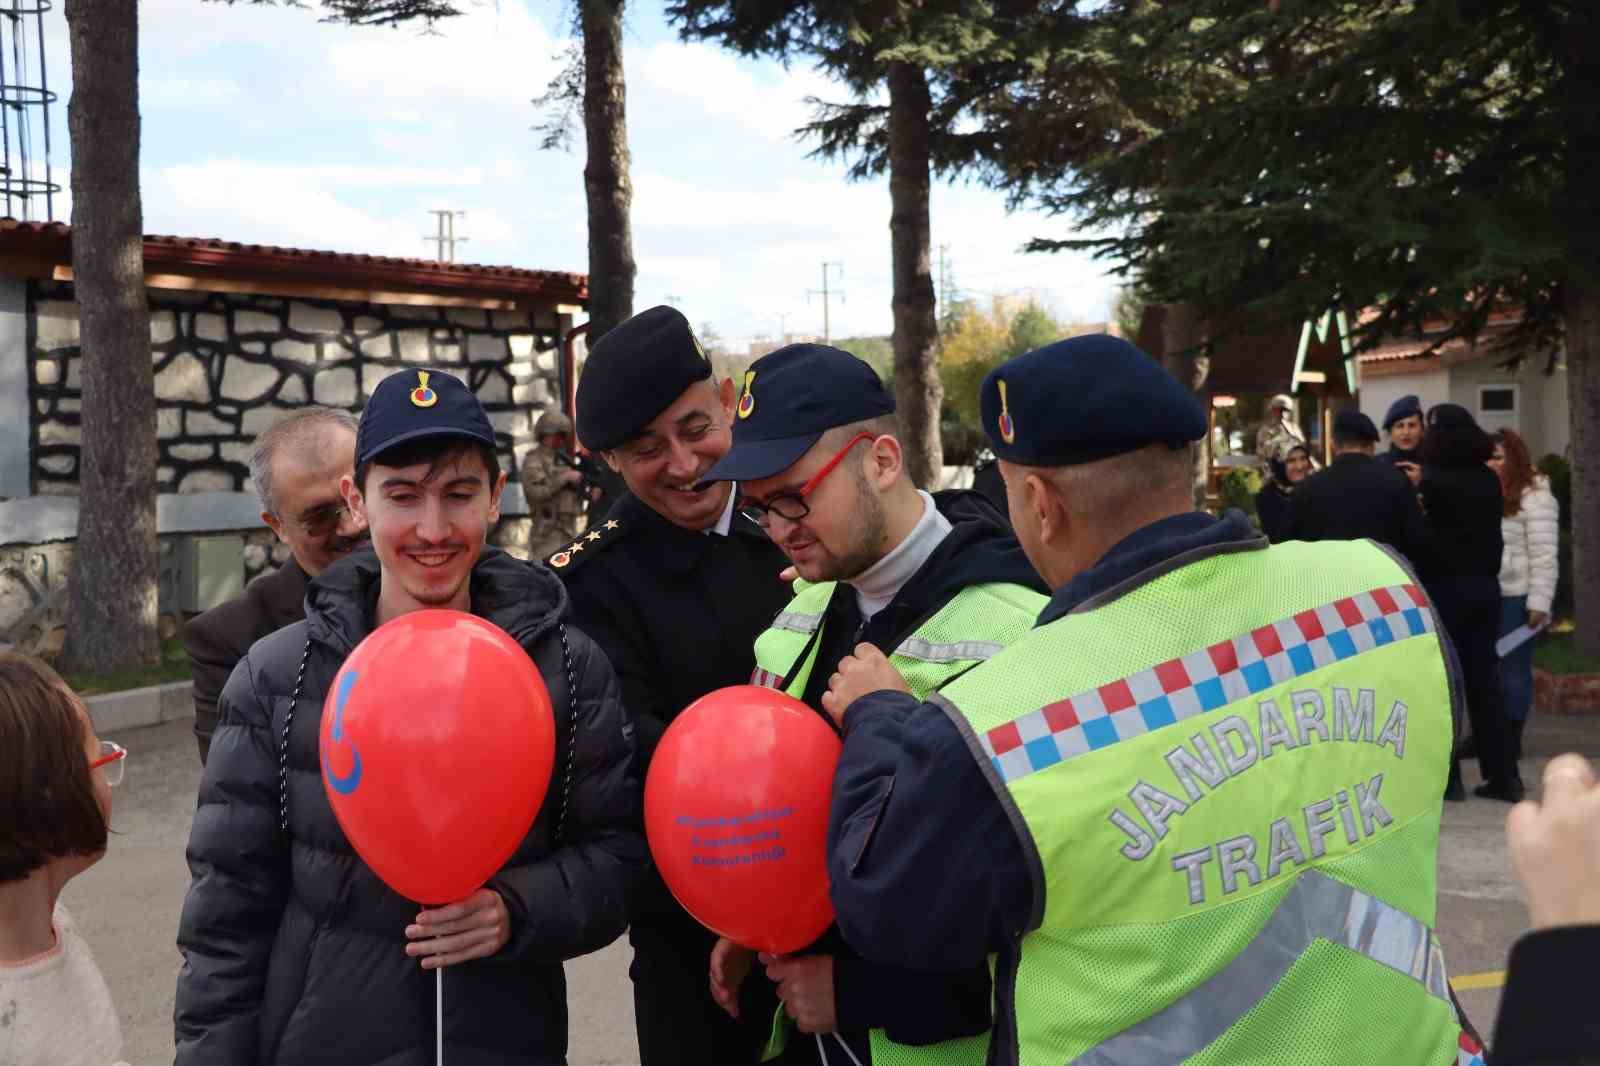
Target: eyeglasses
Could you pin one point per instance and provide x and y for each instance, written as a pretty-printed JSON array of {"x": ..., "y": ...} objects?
[
  {"x": 792, "y": 505},
  {"x": 321, "y": 521},
  {"x": 113, "y": 760}
]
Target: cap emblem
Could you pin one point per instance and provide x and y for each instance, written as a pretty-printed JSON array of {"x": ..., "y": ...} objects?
[
  {"x": 422, "y": 396},
  {"x": 1008, "y": 428},
  {"x": 747, "y": 402}
]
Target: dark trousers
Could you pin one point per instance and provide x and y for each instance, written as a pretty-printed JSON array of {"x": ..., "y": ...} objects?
[
  {"x": 1469, "y": 607},
  {"x": 679, "y": 1024}
]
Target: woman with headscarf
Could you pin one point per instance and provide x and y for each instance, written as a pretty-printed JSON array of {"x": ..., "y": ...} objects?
[
  {"x": 1289, "y": 464},
  {"x": 1461, "y": 497},
  {"x": 1529, "y": 525}
]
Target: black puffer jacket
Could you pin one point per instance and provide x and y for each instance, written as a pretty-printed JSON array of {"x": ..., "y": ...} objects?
[{"x": 294, "y": 951}]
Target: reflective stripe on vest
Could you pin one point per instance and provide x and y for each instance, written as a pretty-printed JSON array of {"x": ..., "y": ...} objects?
[
  {"x": 1316, "y": 908},
  {"x": 797, "y": 622},
  {"x": 1207, "y": 679},
  {"x": 959, "y": 651}
]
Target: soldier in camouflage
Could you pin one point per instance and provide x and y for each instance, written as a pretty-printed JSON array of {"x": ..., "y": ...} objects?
[{"x": 554, "y": 492}]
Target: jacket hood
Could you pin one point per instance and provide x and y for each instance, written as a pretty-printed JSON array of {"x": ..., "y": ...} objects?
[
  {"x": 980, "y": 549},
  {"x": 520, "y": 598}
]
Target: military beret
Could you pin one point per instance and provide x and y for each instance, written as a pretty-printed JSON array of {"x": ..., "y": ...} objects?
[
  {"x": 1083, "y": 399},
  {"x": 1404, "y": 407},
  {"x": 635, "y": 372},
  {"x": 791, "y": 397},
  {"x": 1351, "y": 424}
]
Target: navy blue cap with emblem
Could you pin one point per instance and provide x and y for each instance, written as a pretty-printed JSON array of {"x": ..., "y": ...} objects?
[
  {"x": 789, "y": 399},
  {"x": 1084, "y": 399},
  {"x": 419, "y": 403}
]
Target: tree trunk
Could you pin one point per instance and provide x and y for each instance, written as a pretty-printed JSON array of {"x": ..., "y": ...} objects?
[
  {"x": 1182, "y": 334},
  {"x": 1581, "y": 309},
  {"x": 1582, "y": 298},
  {"x": 919, "y": 392},
  {"x": 112, "y": 590},
  {"x": 605, "y": 171}
]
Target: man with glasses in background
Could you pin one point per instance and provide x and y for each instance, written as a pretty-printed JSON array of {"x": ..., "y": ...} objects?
[
  {"x": 937, "y": 583},
  {"x": 674, "y": 586},
  {"x": 296, "y": 467}
]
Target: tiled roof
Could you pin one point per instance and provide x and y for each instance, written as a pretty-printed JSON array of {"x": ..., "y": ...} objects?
[{"x": 212, "y": 256}]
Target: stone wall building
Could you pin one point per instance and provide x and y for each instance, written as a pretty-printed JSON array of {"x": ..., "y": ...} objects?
[{"x": 240, "y": 335}]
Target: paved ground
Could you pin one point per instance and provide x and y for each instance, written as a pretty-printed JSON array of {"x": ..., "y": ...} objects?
[{"x": 128, "y": 904}]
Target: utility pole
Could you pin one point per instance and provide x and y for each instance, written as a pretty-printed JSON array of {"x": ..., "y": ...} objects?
[
  {"x": 827, "y": 295},
  {"x": 783, "y": 328},
  {"x": 446, "y": 240}
]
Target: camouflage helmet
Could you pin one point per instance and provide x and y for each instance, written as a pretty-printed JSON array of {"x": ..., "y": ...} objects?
[{"x": 552, "y": 422}]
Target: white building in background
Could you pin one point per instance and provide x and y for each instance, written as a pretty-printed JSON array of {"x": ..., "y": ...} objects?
[{"x": 1525, "y": 398}]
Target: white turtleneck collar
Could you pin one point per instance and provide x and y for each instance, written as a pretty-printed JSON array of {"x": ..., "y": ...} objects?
[{"x": 883, "y": 580}]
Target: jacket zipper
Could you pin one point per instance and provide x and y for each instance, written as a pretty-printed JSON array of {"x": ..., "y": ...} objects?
[{"x": 1004, "y": 1050}]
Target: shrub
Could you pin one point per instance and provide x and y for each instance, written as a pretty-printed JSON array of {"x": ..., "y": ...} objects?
[{"x": 1238, "y": 488}]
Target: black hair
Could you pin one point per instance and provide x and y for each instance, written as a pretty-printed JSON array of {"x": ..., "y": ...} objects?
[
  {"x": 1463, "y": 445},
  {"x": 438, "y": 452}
]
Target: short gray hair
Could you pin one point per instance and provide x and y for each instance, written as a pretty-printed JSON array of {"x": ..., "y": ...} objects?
[
  {"x": 301, "y": 430},
  {"x": 1107, "y": 488}
]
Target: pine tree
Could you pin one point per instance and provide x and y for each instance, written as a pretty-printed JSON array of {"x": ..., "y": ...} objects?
[
  {"x": 1430, "y": 162},
  {"x": 897, "y": 58}
]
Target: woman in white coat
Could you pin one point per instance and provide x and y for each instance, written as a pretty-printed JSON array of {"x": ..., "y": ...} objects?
[{"x": 1528, "y": 569}]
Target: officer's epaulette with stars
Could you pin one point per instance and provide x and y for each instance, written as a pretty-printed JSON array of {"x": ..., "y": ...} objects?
[{"x": 586, "y": 546}]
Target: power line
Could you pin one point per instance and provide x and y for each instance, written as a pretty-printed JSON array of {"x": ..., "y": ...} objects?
[
  {"x": 827, "y": 296},
  {"x": 446, "y": 240}
]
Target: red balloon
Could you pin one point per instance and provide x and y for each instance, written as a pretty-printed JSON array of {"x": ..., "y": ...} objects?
[
  {"x": 736, "y": 811},
  {"x": 436, "y": 746}
]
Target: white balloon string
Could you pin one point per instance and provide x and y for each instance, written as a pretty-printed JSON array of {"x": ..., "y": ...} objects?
[
  {"x": 846, "y": 1047},
  {"x": 438, "y": 1017}
]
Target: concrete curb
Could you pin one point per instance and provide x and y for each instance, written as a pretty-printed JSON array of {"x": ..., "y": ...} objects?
[{"x": 135, "y": 708}]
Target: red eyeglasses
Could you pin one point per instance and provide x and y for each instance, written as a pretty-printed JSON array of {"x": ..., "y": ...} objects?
[
  {"x": 113, "y": 757},
  {"x": 792, "y": 505}
]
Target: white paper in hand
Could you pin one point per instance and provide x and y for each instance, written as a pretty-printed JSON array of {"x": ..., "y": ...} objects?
[{"x": 1516, "y": 639}]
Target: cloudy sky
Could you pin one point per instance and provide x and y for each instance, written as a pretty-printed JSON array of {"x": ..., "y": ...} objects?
[{"x": 262, "y": 124}]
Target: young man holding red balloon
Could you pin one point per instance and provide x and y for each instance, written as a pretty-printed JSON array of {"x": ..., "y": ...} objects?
[
  {"x": 674, "y": 585},
  {"x": 936, "y": 582},
  {"x": 295, "y": 947}
]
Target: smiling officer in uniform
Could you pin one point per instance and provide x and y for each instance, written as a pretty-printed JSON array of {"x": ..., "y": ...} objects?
[{"x": 674, "y": 586}]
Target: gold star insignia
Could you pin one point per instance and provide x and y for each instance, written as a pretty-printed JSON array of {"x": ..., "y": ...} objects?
[
  {"x": 612, "y": 524},
  {"x": 578, "y": 547},
  {"x": 592, "y": 536}
]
